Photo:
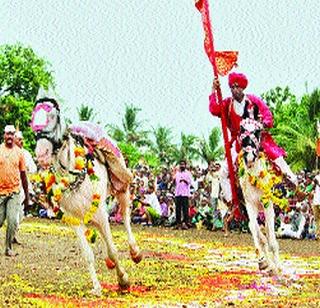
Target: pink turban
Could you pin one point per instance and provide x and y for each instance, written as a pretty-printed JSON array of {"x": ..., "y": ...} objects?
[{"x": 238, "y": 78}]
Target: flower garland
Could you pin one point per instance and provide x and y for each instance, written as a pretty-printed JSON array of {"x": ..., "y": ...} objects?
[
  {"x": 266, "y": 180},
  {"x": 54, "y": 185}
]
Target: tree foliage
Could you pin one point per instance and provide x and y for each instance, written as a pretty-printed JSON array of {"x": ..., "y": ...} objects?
[
  {"x": 210, "y": 150},
  {"x": 86, "y": 113},
  {"x": 22, "y": 73},
  {"x": 187, "y": 149},
  {"x": 130, "y": 131},
  {"x": 162, "y": 146},
  {"x": 295, "y": 125}
]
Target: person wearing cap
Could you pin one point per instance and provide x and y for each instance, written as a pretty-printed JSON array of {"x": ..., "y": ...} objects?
[
  {"x": 233, "y": 108},
  {"x": 12, "y": 171},
  {"x": 30, "y": 169}
]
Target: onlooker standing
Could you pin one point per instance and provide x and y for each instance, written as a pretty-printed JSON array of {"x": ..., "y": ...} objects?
[
  {"x": 183, "y": 180},
  {"x": 212, "y": 178},
  {"x": 30, "y": 168},
  {"x": 12, "y": 170},
  {"x": 316, "y": 205}
]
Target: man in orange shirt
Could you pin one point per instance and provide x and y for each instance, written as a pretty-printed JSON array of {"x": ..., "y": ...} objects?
[{"x": 12, "y": 169}]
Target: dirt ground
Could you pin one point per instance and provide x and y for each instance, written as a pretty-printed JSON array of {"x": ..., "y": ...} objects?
[{"x": 191, "y": 268}]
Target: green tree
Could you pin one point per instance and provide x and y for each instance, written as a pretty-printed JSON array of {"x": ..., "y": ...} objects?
[
  {"x": 153, "y": 161},
  {"x": 86, "y": 113},
  {"x": 163, "y": 146},
  {"x": 22, "y": 74},
  {"x": 130, "y": 152},
  {"x": 130, "y": 131},
  {"x": 187, "y": 149},
  {"x": 295, "y": 125},
  {"x": 210, "y": 150}
]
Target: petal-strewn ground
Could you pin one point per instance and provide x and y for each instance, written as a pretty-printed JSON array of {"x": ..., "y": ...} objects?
[{"x": 193, "y": 268}]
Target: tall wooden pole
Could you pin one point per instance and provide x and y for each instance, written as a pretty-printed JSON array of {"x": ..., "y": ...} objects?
[{"x": 203, "y": 7}]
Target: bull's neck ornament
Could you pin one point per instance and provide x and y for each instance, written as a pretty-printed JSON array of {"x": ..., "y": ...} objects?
[
  {"x": 263, "y": 176},
  {"x": 54, "y": 185}
]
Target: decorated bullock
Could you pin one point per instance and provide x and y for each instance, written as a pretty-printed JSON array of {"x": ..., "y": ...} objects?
[
  {"x": 81, "y": 167},
  {"x": 257, "y": 154},
  {"x": 262, "y": 188}
]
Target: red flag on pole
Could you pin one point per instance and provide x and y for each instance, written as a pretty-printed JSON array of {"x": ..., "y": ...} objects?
[
  {"x": 224, "y": 60},
  {"x": 222, "y": 63}
]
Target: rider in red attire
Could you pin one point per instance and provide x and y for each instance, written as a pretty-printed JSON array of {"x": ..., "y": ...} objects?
[{"x": 234, "y": 107}]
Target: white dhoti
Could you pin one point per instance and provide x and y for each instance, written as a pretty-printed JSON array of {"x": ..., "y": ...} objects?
[{"x": 224, "y": 176}]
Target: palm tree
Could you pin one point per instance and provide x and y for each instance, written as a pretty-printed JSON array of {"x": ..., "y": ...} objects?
[
  {"x": 131, "y": 128},
  {"x": 188, "y": 149},
  {"x": 163, "y": 146},
  {"x": 86, "y": 113},
  {"x": 210, "y": 150}
]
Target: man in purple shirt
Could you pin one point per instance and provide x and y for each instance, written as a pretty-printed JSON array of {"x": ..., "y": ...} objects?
[{"x": 183, "y": 180}]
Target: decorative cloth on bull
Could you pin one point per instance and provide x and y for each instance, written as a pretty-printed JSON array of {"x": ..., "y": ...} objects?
[
  {"x": 39, "y": 118},
  {"x": 249, "y": 128},
  {"x": 108, "y": 153}
]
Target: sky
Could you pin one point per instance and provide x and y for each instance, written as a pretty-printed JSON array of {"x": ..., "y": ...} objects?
[{"x": 149, "y": 53}]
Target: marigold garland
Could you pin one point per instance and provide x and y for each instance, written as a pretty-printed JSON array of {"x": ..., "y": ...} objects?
[
  {"x": 266, "y": 181},
  {"x": 55, "y": 185}
]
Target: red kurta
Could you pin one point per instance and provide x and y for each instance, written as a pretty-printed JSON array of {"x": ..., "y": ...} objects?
[{"x": 271, "y": 149}]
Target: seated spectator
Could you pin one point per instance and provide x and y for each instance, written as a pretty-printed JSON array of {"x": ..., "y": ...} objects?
[
  {"x": 192, "y": 209},
  {"x": 153, "y": 205},
  {"x": 164, "y": 207},
  {"x": 204, "y": 216},
  {"x": 138, "y": 214},
  {"x": 293, "y": 224},
  {"x": 217, "y": 220},
  {"x": 171, "y": 210}
]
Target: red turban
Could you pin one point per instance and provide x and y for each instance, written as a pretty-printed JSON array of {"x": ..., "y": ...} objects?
[{"x": 240, "y": 79}]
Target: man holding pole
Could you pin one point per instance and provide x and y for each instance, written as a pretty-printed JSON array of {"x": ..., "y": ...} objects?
[
  {"x": 222, "y": 63},
  {"x": 230, "y": 110},
  {"x": 233, "y": 109}
]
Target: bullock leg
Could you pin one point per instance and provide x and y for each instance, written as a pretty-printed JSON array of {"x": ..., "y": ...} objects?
[
  {"x": 124, "y": 200},
  {"x": 256, "y": 234},
  {"x": 273, "y": 244},
  {"x": 101, "y": 221},
  {"x": 88, "y": 254}
]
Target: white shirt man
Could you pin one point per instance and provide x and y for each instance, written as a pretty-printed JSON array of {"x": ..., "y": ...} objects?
[{"x": 30, "y": 164}]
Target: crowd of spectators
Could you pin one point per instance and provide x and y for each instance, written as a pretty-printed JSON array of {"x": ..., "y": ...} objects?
[{"x": 153, "y": 203}]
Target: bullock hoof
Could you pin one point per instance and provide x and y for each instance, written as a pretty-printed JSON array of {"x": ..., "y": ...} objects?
[
  {"x": 110, "y": 264},
  {"x": 136, "y": 256},
  {"x": 124, "y": 281},
  {"x": 263, "y": 265}
]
